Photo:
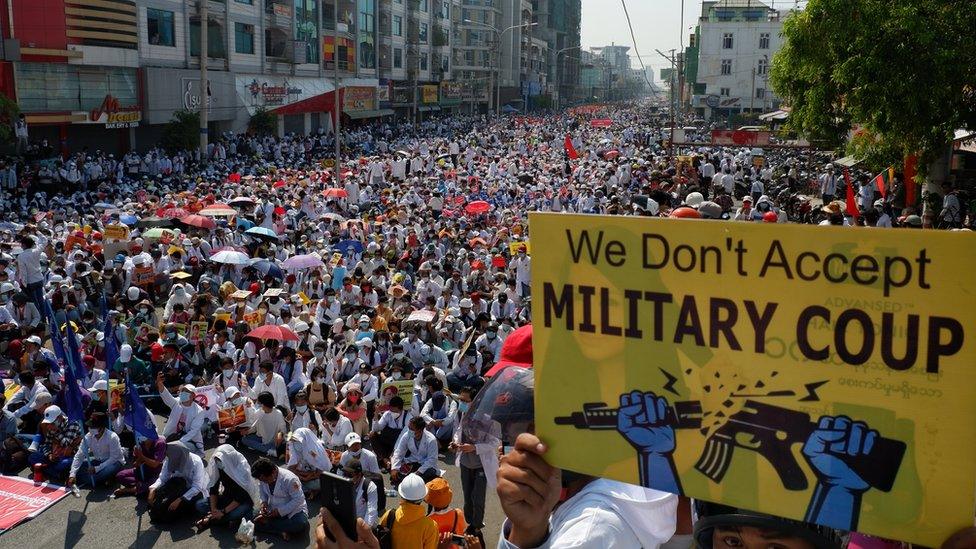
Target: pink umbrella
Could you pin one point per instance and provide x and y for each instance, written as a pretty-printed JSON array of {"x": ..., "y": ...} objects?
[
  {"x": 198, "y": 221},
  {"x": 611, "y": 154},
  {"x": 173, "y": 213},
  {"x": 273, "y": 331},
  {"x": 215, "y": 251},
  {"x": 477, "y": 207},
  {"x": 303, "y": 261}
]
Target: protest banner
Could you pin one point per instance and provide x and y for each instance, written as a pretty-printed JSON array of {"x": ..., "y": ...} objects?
[
  {"x": 198, "y": 331},
  {"x": 143, "y": 276},
  {"x": 116, "y": 232},
  {"x": 402, "y": 388},
  {"x": 206, "y": 397},
  {"x": 601, "y": 123},
  {"x": 228, "y": 418},
  {"x": 22, "y": 499},
  {"x": 787, "y": 369},
  {"x": 254, "y": 319},
  {"x": 116, "y": 390},
  {"x": 513, "y": 247}
]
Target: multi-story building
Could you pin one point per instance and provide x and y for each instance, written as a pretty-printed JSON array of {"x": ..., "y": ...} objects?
[
  {"x": 737, "y": 42},
  {"x": 514, "y": 48},
  {"x": 559, "y": 26},
  {"x": 475, "y": 49}
]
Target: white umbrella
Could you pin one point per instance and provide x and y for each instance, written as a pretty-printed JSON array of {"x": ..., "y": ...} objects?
[{"x": 230, "y": 257}]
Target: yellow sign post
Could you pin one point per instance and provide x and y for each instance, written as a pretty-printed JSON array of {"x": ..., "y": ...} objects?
[{"x": 816, "y": 373}]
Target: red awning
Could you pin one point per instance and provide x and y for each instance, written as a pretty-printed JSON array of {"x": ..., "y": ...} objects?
[{"x": 324, "y": 102}]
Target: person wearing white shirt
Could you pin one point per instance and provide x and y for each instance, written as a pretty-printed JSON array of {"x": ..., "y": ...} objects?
[
  {"x": 364, "y": 492},
  {"x": 284, "y": 510},
  {"x": 182, "y": 480},
  {"x": 355, "y": 451},
  {"x": 186, "y": 417},
  {"x": 268, "y": 380},
  {"x": 489, "y": 341},
  {"x": 100, "y": 453},
  {"x": 335, "y": 429},
  {"x": 415, "y": 451}
]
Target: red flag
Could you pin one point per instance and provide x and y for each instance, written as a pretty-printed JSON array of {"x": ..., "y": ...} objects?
[
  {"x": 910, "y": 169},
  {"x": 851, "y": 202},
  {"x": 570, "y": 149}
]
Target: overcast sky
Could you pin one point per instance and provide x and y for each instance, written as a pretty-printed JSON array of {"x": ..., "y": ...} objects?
[{"x": 656, "y": 24}]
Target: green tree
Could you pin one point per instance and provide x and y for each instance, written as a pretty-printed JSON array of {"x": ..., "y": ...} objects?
[
  {"x": 899, "y": 72},
  {"x": 182, "y": 132},
  {"x": 263, "y": 122},
  {"x": 9, "y": 111}
]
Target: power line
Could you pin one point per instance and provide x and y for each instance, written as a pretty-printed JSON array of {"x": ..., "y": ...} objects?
[{"x": 634, "y": 40}]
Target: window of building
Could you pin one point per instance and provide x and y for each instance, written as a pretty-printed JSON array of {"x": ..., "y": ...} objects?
[
  {"x": 46, "y": 87},
  {"x": 726, "y": 67},
  {"x": 248, "y": 2},
  {"x": 397, "y": 58},
  {"x": 727, "y": 41},
  {"x": 216, "y": 44},
  {"x": 367, "y": 28},
  {"x": 423, "y": 5},
  {"x": 469, "y": 57},
  {"x": 760, "y": 93},
  {"x": 307, "y": 29},
  {"x": 160, "y": 27},
  {"x": 763, "y": 67},
  {"x": 397, "y": 25},
  {"x": 725, "y": 92},
  {"x": 422, "y": 33},
  {"x": 764, "y": 40},
  {"x": 243, "y": 38},
  {"x": 423, "y": 61}
]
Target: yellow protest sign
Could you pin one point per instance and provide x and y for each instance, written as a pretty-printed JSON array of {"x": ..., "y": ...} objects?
[
  {"x": 816, "y": 373},
  {"x": 513, "y": 247},
  {"x": 116, "y": 232}
]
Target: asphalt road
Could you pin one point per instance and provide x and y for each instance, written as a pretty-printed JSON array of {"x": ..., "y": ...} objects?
[{"x": 94, "y": 520}]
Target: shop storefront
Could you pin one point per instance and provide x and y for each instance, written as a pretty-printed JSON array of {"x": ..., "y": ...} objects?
[
  {"x": 168, "y": 91},
  {"x": 452, "y": 94},
  {"x": 75, "y": 107}
]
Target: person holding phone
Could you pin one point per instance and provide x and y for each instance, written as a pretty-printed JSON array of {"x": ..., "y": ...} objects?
[{"x": 283, "y": 510}]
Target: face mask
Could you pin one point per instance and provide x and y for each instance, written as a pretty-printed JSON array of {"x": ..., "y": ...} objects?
[
  {"x": 355, "y": 454},
  {"x": 228, "y": 373},
  {"x": 185, "y": 397},
  {"x": 397, "y": 375},
  {"x": 320, "y": 380},
  {"x": 463, "y": 406},
  {"x": 268, "y": 376},
  {"x": 301, "y": 409},
  {"x": 364, "y": 377},
  {"x": 318, "y": 353},
  {"x": 364, "y": 325},
  {"x": 491, "y": 335},
  {"x": 237, "y": 401},
  {"x": 351, "y": 356}
]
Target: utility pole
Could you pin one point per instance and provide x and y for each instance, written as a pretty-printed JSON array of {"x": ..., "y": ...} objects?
[
  {"x": 766, "y": 84},
  {"x": 204, "y": 85},
  {"x": 336, "y": 107}
]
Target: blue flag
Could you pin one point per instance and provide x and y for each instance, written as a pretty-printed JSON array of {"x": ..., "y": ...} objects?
[
  {"x": 136, "y": 415},
  {"x": 111, "y": 345},
  {"x": 56, "y": 342},
  {"x": 74, "y": 353},
  {"x": 74, "y": 407}
]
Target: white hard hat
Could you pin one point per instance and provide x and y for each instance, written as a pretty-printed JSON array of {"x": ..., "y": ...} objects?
[
  {"x": 364, "y": 318},
  {"x": 231, "y": 393},
  {"x": 125, "y": 353},
  {"x": 365, "y": 342},
  {"x": 466, "y": 303},
  {"x": 694, "y": 199},
  {"x": 54, "y": 412},
  {"x": 100, "y": 385},
  {"x": 353, "y": 438},
  {"x": 6, "y": 287},
  {"x": 412, "y": 488},
  {"x": 132, "y": 293}
]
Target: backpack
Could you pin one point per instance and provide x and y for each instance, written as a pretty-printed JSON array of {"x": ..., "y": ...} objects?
[{"x": 384, "y": 530}]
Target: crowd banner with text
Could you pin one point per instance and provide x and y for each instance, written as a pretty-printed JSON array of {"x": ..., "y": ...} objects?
[
  {"x": 817, "y": 373},
  {"x": 22, "y": 499}
]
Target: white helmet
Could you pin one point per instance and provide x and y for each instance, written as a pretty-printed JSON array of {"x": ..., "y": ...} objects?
[
  {"x": 412, "y": 488},
  {"x": 132, "y": 293},
  {"x": 6, "y": 287},
  {"x": 694, "y": 199},
  {"x": 125, "y": 353}
]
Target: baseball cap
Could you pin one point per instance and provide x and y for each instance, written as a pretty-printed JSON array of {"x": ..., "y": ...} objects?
[
  {"x": 353, "y": 438},
  {"x": 516, "y": 351},
  {"x": 51, "y": 414},
  {"x": 34, "y": 339}
]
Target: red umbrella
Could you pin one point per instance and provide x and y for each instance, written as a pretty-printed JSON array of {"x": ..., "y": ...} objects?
[
  {"x": 272, "y": 331},
  {"x": 173, "y": 213},
  {"x": 611, "y": 154},
  {"x": 198, "y": 221},
  {"x": 280, "y": 183},
  {"x": 477, "y": 207},
  {"x": 335, "y": 193}
]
